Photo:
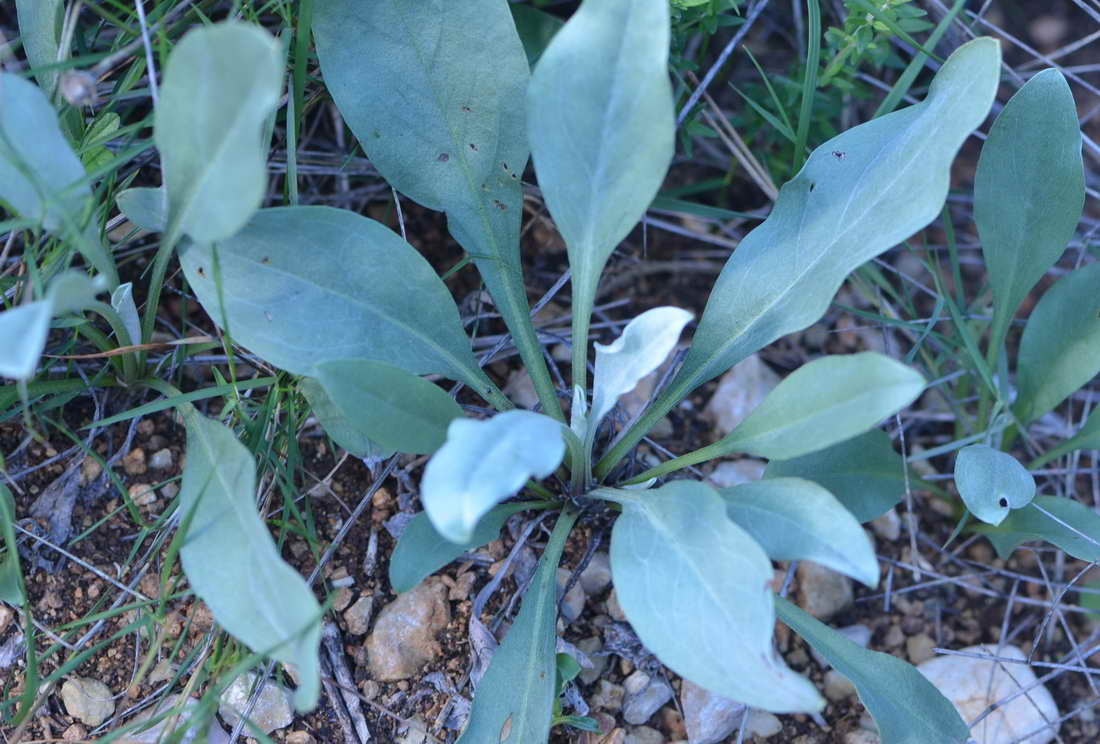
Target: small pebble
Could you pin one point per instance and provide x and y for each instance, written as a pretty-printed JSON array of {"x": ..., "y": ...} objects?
[
  {"x": 919, "y": 648},
  {"x": 133, "y": 462},
  {"x": 87, "y": 700},
  {"x": 837, "y": 686},
  {"x": 161, "y": 460}
]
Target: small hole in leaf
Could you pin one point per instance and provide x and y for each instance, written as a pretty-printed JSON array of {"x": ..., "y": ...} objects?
[
  {"x": 812, "y": 186},
  {"x": 265, "y": 260},
  {"x": 1003, "y": 502},
  {"x": 473, "y": 147},
  {"x": 443, "y": 157},
  {"x": 466, "y": 109},
  {"x": 201, "y": 271}
]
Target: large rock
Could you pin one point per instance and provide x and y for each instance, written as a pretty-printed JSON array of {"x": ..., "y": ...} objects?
[
  {"x": 87, "y": 700},
  {"x": 973, "y": 684},
  {"x": 709, "y": 718},
  {"x": 739, "y": 391},
  {"x": 403, "y": 640},
  {"x": 274, "y": 710}
]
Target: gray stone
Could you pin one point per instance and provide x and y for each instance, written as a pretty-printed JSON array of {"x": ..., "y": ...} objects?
[
  {"x": 573, "y": 605},
  {"x": 644, "y": 735},
  {"x": 273, "y": 711},
  {"x": 162, "y": 459},
  {"x": 709, "y": 718},
  {"x": 596, "y": 576},
  {"x": 157, "y": 733},
  {"x": 591, "y": 648},
  {"x": 731, "y": 473},
  {"x": 822, "y": 592},
  {"x": 640, "y": 704},
  {"x": 858, "y": 634},
  {"x": 837, "y": 686},
  {"x": 520, "y": 389},
  {"x": 887, "y": 526},
  {"x": 973, "y": 684},
  {"x": 358, "y": 615},
  {"x": 739, "y": 391},
  {"x": 87, "y": 700},
  {"x": 416, "y": 733},
  {"x": 762, "y": 724},
  {"x": 403, "y": 640},
  {"x": 608, "y": 696}
]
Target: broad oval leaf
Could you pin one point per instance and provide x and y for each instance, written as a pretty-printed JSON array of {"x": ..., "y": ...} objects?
[
  {"x": 678, "y": 561},
  {"x": 12, "y": 589},
  {"x": 40, "y": 175},
  {"x": 1060, "y": 348},
  {"x": 364, "y": 293},
  {"x": 992, "y": 483},
  {"x": 795, "y": 519},
  {"x": 344, "y": 430},
  {"x": 824, "y": 402},
  {"x": 457, "y": 141},
  {"x": 1029, "y": 190},
  {"x": 484, "y": 462},
  {"x": 421, "y": 550},
  {"x": 232, "y": 563},
  {"x": 644, "y": 344},
  {"x": 122, "y": 300},
  {"x": 40, "y": 33},
  {"x": 857, "y": 195},
  {"x": 72, "y": 291},
  {"x": 602, "y": 127},
  {"x": 220, "y": 84},
  {"x": 1072, "y": 526},
  {"x": 907, "y": 708},
  {"x": 23, "y": 332},
  {"x": 515, "y": 698},
  {"x": 864, "y": 473},
  {"x": 144, "y": 206},
  {"x": 397, "y": 409}
]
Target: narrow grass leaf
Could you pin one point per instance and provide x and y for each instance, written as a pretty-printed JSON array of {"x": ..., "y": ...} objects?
[
  {"x": 1060, "y": 348},
  {"x": 144, "y": 206},
  {"x": 40, "y": 32},
  {"x": 344, "y": 430},
  {"x": 515, "y": 698},
  {"x": 602, "y": 127},
  {"x": 678, "y": 561},
  {"x": 796, "y": 519},
  {"x": 374, "y": 295},
  {"x": 396, "y": 409},
  {"x": 23, "y": 333},
  {"x": 864, "y": 473},
  {"x": 644, "y": 344},
  {"x": 421, "y": 550},
  {"x": 220, "y": 85},
  {"x": 824, "y": 402},
  {"x": 907, "y": 708},
  {"x": 992, "y": 483},
  {"x": 1087, "y": 437},
  {"x": 12, "y": 589},
  {"x": 1029, "y": 190},
  {"x": 232, "y": 563},
  {"x": 1068, "y": 524},
  {"x": 484, "y": 462}
]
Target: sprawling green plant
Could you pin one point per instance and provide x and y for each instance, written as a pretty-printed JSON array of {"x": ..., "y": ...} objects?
[{"x": 442, "y": 100}]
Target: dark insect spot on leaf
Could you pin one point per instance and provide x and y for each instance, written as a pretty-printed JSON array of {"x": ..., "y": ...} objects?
[
  {"x": 467, "y": 109},
  {"x": 514, "y": 176},
  {"x": 504, "y": 166},
  {"x": 839, "y": 155},
  {"x": 377, "y": 134},
  {"x": 1003, "y": 502},
  {"x": 473, "y": 147},
  {"x": 202, "y": 272},
  {"x": 268, "y": 316},
  {"x": 443, "y": 157},
  {"x": 812, "y": 185},
  {"x": 500, "y": 205},
  {"x": 265, "y": 260}
]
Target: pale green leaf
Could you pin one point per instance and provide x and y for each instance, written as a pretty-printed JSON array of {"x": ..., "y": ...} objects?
[
  {"x": 220, "y": 84},
  {"x": 992, "y": 483},
  {"x": 484, "y": 462},
  {"x": 40, "y": 32},
  {"x": 12, "y": 589},
  {"x": 122, "y": 300},
  {"x": 439, "y": 112},
  {"x": 232, "y": 563},
  {"x": 796, "y": 519},
  {"x": 394, "y": 408},
  {"x": 515, "y": 698},
  {"x": 145, "y": 207},
  {"x": 907, "y": 708},
  {"x": 824, "y": 402},
  {"x": 679, "y": 562},
  {"x": 864, "y": 473},
  {"x": 643, "y": 345},
  {"x": 1072, "y": 526},
  {"x": 1060, "y": 348},
  {"x": 72, "y": 291},
  {"x": 23, "y": 333},
  {"x": 421, "y": 550},
  {"x": 602, "y": 127},
  {"x": 535, "y": 28},
  {"x": 1029, "y": 190},
  {"x": 858, "y": 194},
  {"x": 344, "y": 430},
  {"x": 304, "y": 285}
]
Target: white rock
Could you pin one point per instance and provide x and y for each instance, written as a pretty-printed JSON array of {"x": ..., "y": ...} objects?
[
  {"x": 862, "y": 736},
  {"x": 573, "y": 605},
  {"x": 596, "y": 576},
  {"x": 358, "y": 615},
  {"x": 87, "y": 700},
  {"x": 520, "y": 389},
  {"x": 161, "y": 460},
  {"x": 837, "y": 686},
  {"x": 972, "y": 685},
  {"x": 644, "y": 735},
  {"x": 709, "y": 718},
  {"x": 215, "y": 734},
  {"x": 733, "y": 473},
  {"x": 822, "y": 592},
  {"x": 273, "y": 710},
  {"x": 417, "y": 733},
  {"x": 739, "y": 391},
  {"x": 887, "y": 526},
  {"x": 762, "y": 724}
]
